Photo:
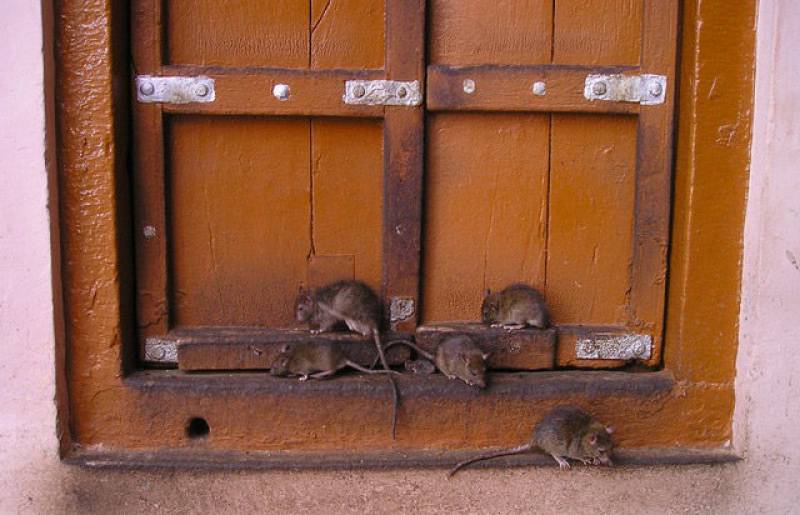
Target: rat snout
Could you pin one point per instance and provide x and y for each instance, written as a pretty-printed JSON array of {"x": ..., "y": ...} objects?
[
  {"x": 479, "y": 382},
  {"x": 605, "y": 459}
]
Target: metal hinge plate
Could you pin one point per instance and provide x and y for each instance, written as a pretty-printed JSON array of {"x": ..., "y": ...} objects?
[
  {"x": 382, "y": 92},
  {"x": 643, "y": 89},
  {"x": 161, "y": 350},
  {"x": 618, "y": 346},
  {"x": 175, "y": 90}
]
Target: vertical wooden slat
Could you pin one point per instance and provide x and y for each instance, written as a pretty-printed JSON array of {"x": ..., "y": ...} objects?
[
  {"x": 403, "y": 135},
  {"x": 238, "y": 33},
  {"x": 347, "y": 35},
  {"x": 150, "y": 226},
  {"x": 598, "y": 31},
  {"x": 348, "y": 184},
  {"x": 653, "y": 176},
  {"x": 592, "y": 177},
  {"x": 514, "y": 32},
  {"x": 239, "y": 211},
  {"x": 346, "y": 156},
  {"x": 485, "y": 208}
]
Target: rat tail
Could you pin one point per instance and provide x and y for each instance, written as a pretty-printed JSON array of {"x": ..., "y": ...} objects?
[
  {"x": 395, "y": 394},
  {"x": 507, "y": 452},
  {"x": 424, "y": 354}
]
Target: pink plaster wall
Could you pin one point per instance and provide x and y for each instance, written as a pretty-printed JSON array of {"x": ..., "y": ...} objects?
[
  {"x": 32, "y": 480},
  {"x": 27, "y": 429}
]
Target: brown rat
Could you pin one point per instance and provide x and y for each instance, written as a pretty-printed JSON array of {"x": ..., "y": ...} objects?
[
  {"x": 457, "y": 357},
  {"x": 564, "y": 432},
  {"x": 351, "y": 302},
  {"x": 514, "y": 307},
  {"x": 318, "y": 360},
  {"x": 315, "y": 360}
]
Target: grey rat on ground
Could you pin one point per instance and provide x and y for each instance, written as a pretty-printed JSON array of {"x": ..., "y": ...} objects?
[{"x": 564, "y": 432}]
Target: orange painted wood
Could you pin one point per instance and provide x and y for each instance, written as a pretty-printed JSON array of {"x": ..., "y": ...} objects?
[
  {"x": 403, "y": 137},
  {"x": 347, "y": 178},
  {"x": 247, "y": 348},
  {"x": 606, "y": 32},
  {"x": 148, "y": 184},
  {"x": 523, "y": 349},
  {"x": 239, "y": 205},
  {"x": 591, "y": 218},
  {"x": 324, "y": 270},
  {"x": 249, "y": 91},
  {"x": 238, "y": 33},
  {"x": 509, "y": 88},
  {"x": 654, "y": 180},
  {"x": 486, "y": 209},
  {"x": 347, "y": 34},
  {"x": 515, "y": 32}
]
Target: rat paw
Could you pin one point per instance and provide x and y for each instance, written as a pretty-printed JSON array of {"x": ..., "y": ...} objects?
[{"x": 562, "y": 463}]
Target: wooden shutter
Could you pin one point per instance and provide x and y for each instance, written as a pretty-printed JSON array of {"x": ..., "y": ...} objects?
[
  {"x": 241, "y": 200},
  {"x": 565, "y": 193}
]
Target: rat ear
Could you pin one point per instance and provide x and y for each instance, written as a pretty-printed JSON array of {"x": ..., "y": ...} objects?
[
  {"x": 487, "y": 292},
  {"x": 610, "y": 430},
  {"x": 285, "y": 348}
]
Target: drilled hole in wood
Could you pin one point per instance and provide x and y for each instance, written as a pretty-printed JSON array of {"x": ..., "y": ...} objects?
[{"x": 197, "y": 428}]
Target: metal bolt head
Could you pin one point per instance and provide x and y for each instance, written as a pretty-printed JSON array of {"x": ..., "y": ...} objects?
[
  {"x": 599, "y": 88},
  {"x": 539, "y": 88},
  {"x": 201, "y": 90},
  {"x": 469, "y": 86},
  {"x": 638, "y": 349},
  {"x": 656, "y": 89},
  {"x": 147, "y": 88},
  {"x": 359, "y": 91},
  {"x": 149, "y": 232},
  {"x": 402, "y": 92},
  {"x": 281, "y": 92}
]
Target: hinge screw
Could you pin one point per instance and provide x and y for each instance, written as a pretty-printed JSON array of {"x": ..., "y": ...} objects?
[
  {"x": 469, "y": 86},
  {"x": 359, "y": 91},
  {"x": 281, "y": 92},
  {"x": 401, "y": 92},
  {"x": 599, "y": 88},
  {"x": 147, "y": 88},
  {"x": 539, "y": 88},
  {"x": 201, "y": 90},
  {"x": 656, "y": 89},
  {"x": 149, "y": 232}
]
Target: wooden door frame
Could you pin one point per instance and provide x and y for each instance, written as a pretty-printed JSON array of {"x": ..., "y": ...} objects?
[{"x": 113, "y": 414}]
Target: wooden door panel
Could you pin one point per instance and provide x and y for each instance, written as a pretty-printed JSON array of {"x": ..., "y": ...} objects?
[
  {"x": 608, "y": 177},
  {"x": 237, "y": 33},
  {"x": 597, "y": 32},
  {"x": 486, "y": 209},
  {"x": 514, "y": 32},
  {"x": 239, "y": 217},
  {"x": 234, "y": 212},
  {"x": 347, "y": 34},
  {"x": 347, "y": 164},
  {"x": 591, "y": 212}
]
